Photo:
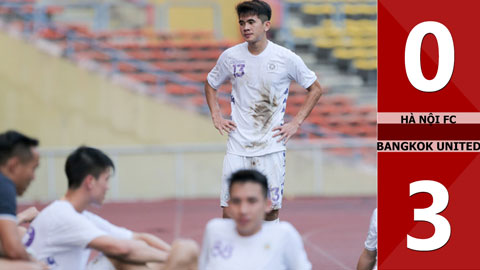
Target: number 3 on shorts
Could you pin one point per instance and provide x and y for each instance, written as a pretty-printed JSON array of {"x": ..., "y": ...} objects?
[
  {"x": 275, "y": 194},
  {"x": 430, "y": 214}
]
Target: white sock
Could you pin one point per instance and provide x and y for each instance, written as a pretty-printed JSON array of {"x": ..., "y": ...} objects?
[{"x": 272, "y": 221}]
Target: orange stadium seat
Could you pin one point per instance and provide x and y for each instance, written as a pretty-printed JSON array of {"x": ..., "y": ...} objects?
[
  {"x": 223, "y": 102},
  {"x": 347, "y": 130},
  {"x": 317, "y": 120},
  {"x": 325, "y": 110},
  {"x": 292, "y": 109},
  {"x": 144, "y": 78},
  {"x": 181, "y": 90},
  {"x": 199, "y": 100},
  {"x": 51, "y": 34},
  {"x": 196, "y": 76},
  {"x": 226, "y": 110},
  {"x": 205, "y": 55},
  {"x": 126, "y": 67},
  {"x": 296, "y": 100}
]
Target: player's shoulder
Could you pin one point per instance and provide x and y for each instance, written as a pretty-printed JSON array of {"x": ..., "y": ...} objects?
[
  {"x": 235, "y": 49},
  {"x": 58, "y": 211},
  {"x": 283, "y": 227},
  {"x": 282, "y": 51},
  {"x": 8, "y": 192},
  {"x": 7, "y": 187},
  {"x": 286, "y": 226}
]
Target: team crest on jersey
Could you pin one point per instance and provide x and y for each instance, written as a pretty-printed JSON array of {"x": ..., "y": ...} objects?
[{"x": 272, "y": 67}]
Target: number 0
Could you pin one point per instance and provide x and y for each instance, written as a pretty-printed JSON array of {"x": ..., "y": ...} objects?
[
  {"x": 446, "y": 56},
  {"x": 441, "y": 224}
]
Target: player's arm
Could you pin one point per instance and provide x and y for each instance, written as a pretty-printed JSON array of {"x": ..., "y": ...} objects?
[
  {"x": 367, "y": 259},
  {"x": 28, "y": 215},
  {"x": 219, "y": 122},
  {"x": 132, "y": 251},
  {"x": 152, "y": 241},
  {"x": 19, "y": 265},
  {"x": 289, "y": 129},
  {"x": 10, "y": 241}
]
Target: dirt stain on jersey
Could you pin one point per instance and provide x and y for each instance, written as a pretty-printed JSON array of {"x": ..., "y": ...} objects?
[
  {"x": 256, "y": 145},
  {"x": 263, "y": 110}
]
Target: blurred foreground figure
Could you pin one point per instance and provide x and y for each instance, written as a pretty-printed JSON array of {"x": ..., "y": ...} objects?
[
  {"x": 18, "y": 161},
  {"x": 246, "y": 241}
]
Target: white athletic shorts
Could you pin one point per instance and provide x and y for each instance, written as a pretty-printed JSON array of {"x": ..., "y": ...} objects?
[{"x": 272, "y": 165}]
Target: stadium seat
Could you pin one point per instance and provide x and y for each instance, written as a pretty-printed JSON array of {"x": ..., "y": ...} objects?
[{"x": 181, "y": 90}]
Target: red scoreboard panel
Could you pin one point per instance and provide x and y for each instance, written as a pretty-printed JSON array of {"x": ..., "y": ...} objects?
[{"x": 428, "y": 134}]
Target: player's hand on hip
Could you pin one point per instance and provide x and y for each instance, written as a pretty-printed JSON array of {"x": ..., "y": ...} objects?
[
  {"x": 286, "y": 131},
  {"x": 223, "y": 124}
]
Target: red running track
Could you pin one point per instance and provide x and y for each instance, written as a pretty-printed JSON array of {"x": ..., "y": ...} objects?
[{"x": 333, "y": 229}]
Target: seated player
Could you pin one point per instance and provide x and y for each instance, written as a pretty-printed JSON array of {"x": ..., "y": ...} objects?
[
  {"x": 245, "y": 241},
  {"x": 18, "y": 162},
  {"x": 368, "y": 259},
  {"x": 64, "y": 233}
]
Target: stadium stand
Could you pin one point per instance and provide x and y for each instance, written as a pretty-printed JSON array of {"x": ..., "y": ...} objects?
[{"x": 175, "y": 63}]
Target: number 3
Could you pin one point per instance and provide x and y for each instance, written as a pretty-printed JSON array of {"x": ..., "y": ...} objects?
[
  {"x": 441, "y": 224},
  {"x": 446, "y": 56}
]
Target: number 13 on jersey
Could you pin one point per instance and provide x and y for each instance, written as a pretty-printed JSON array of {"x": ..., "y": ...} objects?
[{"x": 428, "y": 167}]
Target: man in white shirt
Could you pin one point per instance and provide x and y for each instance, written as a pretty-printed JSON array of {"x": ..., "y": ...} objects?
[
  {"x": 63, "y": 234},
  {"x": 260, "y": 72},
  {"x": 368, "y": 258},
  {"x": 245, "y": 241}
]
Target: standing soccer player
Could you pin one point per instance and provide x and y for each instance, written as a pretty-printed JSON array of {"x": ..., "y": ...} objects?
[{"x": 261, "y": 72}]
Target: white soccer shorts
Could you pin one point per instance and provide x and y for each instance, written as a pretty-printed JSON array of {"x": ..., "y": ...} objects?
[{"x": 271, "y": 165}]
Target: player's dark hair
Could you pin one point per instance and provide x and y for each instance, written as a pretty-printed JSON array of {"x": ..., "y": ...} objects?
[
  {"x": 244, "y": 176},
  {"x": 83, "y": 162},
  {"x": 15, "y": 144},
  {"x": 255, "y": 7}
]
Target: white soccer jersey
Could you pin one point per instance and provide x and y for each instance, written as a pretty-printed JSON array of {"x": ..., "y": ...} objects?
[
  {"x": 59, "y": 235},
  {"x": 276, "y": 246},
  {"x": 259, "y": 94}
]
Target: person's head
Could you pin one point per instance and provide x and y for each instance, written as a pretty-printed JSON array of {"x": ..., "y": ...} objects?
[
  {"x": 254, "y": 20},
  {"x": 89, "y": 169},
  {"x": 249, "y": 200},
  {"x": 18, "y": 159}
]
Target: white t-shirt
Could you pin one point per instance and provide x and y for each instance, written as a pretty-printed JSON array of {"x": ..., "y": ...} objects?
[
  {"x": 59, "y": 235},
  {"x": 259, "y": 94},
  {"x": 371, "y": 242},
  {"x": 276, "y": 246}
]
